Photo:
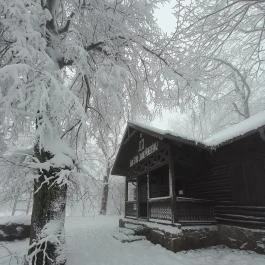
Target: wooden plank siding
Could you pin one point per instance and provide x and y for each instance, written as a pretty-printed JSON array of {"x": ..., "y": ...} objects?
[
  {"x": 233, "y": 176},
  {"x": 214, "y": 184},
  {"x": 242, "y": 215},
  {"x": 245, "y": 160}
]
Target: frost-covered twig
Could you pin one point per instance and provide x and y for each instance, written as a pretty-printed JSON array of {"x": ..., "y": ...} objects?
[
  {"x": 48, "y": 238},
  {"x": 41, "y": 247}
]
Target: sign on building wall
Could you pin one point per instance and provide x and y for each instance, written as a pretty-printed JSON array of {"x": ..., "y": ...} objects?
[{"x": 143, "y": 152}]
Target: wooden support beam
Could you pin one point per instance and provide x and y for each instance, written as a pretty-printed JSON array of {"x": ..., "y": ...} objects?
[
  {"x": 172, "y": 192},
  {"x": 137, "y": 198},
  {"x": 126, "y": 189},
  {"x": 126, "y": 195},
  {"x": 148, "y": 196}
]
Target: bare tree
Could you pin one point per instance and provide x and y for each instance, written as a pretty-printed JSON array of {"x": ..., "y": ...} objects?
[
  {"x": 224, "y": 44},
  {"x": 108, "y": 142}
]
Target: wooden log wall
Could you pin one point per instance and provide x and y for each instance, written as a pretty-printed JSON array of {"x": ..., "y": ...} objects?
[
  {"x": 233, "y": 176},
  {"x": 242, "y": 215},
  {"x": 246, "y": 159},
  {"x": 235, "y": 180},
  {"x": 214, "y": 184}
]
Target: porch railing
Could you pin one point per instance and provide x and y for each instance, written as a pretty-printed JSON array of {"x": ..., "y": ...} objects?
[
  {"x": 193, "y": 210},
  {"x": 130, "y": 208},
  {"x": 187, "y": 210},
  {"x": 160, "y": 208}
]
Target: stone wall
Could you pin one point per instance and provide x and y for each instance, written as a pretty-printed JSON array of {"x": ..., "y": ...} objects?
[
  {"x": 187, "y": 239},
  {"x": 242, "y": 238},
  {"x": 194, "y": 237}
]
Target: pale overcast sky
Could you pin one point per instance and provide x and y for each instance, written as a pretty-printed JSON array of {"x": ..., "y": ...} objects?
[
  {"x": 166, "y": 21},
  {"x": 165, "y": 18}
]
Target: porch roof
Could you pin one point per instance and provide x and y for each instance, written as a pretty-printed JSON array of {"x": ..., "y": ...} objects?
[
  {"x": 230, "y": 134},
  {"x": 154, "y": 132},
  {"x": 165, "y": 134}
]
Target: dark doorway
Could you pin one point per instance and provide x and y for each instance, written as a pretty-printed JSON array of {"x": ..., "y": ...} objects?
[{"x": 142, "y": 189}]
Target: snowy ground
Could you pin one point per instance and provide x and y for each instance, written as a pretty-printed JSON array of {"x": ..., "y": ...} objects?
[
  {"x": 11, "y": 253},
  {"x": 90, "y": 242}
]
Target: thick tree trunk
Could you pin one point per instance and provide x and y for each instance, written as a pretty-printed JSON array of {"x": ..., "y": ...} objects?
[
  {"x": 48, "y": 208},
  {"x": 48, "y": 216},
  {"x": 105, "y": 194}
]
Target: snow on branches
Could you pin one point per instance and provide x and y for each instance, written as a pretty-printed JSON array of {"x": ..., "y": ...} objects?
[
  {"x": 48, "y": 237},
  {"x": 65, "y": 66},
  {"x": 72, "y": 61}
]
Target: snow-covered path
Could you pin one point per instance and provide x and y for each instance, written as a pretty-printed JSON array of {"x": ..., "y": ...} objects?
[{"x": 90, "y": 242}]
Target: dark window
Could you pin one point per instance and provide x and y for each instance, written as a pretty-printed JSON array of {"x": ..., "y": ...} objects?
[
  {"x": 132, "y": 191},
  {"x": 159, "y": 182}
]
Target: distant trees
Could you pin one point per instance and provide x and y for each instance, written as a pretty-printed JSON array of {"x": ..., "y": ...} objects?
[
  {"x": 233, "y": 28},
  {"x": 16, "y": 180},
  {"x": 224, "y": 43},
  {"x": 84, "y": 193},
  {"x": 108, "y": 139}
]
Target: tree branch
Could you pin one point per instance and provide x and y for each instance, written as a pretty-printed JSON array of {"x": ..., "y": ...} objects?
[
  {"x": 67, "y": 25},
  {"x": 238, "y": 111}
]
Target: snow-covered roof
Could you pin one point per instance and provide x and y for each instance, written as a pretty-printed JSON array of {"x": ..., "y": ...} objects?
[
  {"x": 223, "y": 137},
  {"x": 159, "y": 131},
  {"x": 165, "y": 134},
  {"x": 232, "y": 133},
  {"x": 252, "y": 124}
]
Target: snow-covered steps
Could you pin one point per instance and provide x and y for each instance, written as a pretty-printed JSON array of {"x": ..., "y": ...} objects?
[
  {"x": 139, "y": 226},
  {"x": 127, "y": 235},
  {"x": 201, "y": 236},
  {"x": 173, "y": 237}
]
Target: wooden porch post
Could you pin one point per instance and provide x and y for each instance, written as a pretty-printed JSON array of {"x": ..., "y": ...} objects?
[
  {"x": 172, "y": 192},
  {"x": 137, "y": 198},
  {"x": 148, "y": 196},
  {"x": 126, "y": 195}
]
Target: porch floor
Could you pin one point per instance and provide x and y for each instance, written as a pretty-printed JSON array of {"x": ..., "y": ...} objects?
[{"x": 168, "y": 226}]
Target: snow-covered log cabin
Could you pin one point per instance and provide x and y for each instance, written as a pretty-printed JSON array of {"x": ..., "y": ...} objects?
[{"x": 170, "y": 178}]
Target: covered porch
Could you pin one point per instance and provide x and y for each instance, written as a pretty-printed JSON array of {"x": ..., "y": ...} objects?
[
  {"x": 162, "y": 173},
  {"x": 160, "y": 196}
]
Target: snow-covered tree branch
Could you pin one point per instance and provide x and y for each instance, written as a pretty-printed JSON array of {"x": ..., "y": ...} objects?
[{"x": 65, "y": 64}]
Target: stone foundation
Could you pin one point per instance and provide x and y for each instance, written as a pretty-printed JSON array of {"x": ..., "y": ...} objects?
[
  {"x": 176, "y": 239},
  {"x": 242, "y": 238}
]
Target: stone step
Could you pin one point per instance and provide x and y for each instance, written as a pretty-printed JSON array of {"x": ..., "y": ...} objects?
[
  {"x": 127, "y": 231},
  {"x": 126, "y": 235}
]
